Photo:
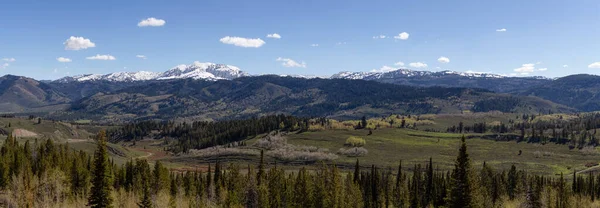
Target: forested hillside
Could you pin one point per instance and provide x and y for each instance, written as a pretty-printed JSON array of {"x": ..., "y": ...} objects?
[
  {"x": 264, "y": 95},
  {"x": 189, "y": 99},
  {"x": 578, "y": 91}
]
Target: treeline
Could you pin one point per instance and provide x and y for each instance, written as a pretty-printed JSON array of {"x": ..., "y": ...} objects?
[
  {"x": 52, "y": 175},
  {"x": 503, "y": 104},
  {"x": 202, "y": 134},
  {"x": 576, "y": 132}
]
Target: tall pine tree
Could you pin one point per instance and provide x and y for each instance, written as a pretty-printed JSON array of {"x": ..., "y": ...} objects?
[
  {"x": 101, "y": 181},
  {"x": 460, "y": 193}
]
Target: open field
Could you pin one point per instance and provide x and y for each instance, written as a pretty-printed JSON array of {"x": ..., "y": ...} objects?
[{"x": 387, "y": 145}]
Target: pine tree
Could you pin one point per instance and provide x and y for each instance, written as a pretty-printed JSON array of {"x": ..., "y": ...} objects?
[
  {"x": 512, "y": 182},
  {"x": 460, "y": 193},
  {"x": 101, "y": 182},
  {"x": 173, "y": 192},
  {"x": 399, "y": 192},
  {"x": 261, "y": 168},
  {"x": 428, "y": 183},
  {"x": 356, "y": 172},
  {"x": 363, "y": 123},
  {"x": 533, "y": 196},
  {"x": 158, "y": 182},
  {"x": 251, "y": 190},
  {"x": 145, "y": 202}
]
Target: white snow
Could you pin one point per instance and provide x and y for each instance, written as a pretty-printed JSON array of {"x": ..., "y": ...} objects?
[{"x": 197, "y": 70}]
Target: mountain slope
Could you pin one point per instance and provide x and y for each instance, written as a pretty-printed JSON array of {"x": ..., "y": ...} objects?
[
  {"x": 580, "y": 91},
  {"x": 493, "y": 82},
  {"x": 255, "y": 96},
  {"x": 197, "y": 70},
  {"x": 20, "y": 94}
]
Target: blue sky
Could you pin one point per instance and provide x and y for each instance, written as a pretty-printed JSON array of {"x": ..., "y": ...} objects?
[{"x": 541, "y": 37}]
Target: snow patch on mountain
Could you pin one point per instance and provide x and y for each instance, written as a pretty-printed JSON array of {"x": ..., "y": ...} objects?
[
  {"x": 197, "y": 70},
  {"x": 403, "y": 73}
]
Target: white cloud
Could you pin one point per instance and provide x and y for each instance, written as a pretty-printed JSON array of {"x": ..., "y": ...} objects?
[
  {"x": 291, "y": 63},
  {"x": 55, "y": 71},
  {"x": 443, "y": 60},
  {"x": 399, "y": 63},
  {"x": 101, "y": 57},
  {"x": 379, "y": 37},
  {"x": 384, "y": 69},
  {"x": 314, "y": 45},
  {"x": 151, "y": 22},
  {"x": 341, "y": 43},
  {"x": 274, "y": 35},
  {"x": 501, "y": 30},
  {"x": 525, "y": 68},
  {"x": 4, "y": 65},
  {"x": 565, "y": 66},
  {"x": 543, "y": 69},
  {"x": 418, "y": 65},
  {"x": 9, "y": 59},
  {"x": 141, "y": 56},
  {"x": 243, "y": 42},
  {"x": 402, "y": 36},
  {"x": 78, "y": 43},
  {"x": 595, "y": 65},
  {"x": 63, "y": 59}
]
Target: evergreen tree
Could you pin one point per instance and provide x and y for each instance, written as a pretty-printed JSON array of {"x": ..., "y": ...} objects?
[
  {"x": 363, "y": 123},
  {"x": 261, "y": 168},
  {"x": 356, "y": 172},
  {"x": 145, "y": 202},
  {"x": 101, "y": 182},
  {"x": 460, "y": 193},
  {"x": 251, "y": 190},
  {"x": 428, "y": 183},
  {"x": 533, "y": 196},
  {"x": 511, "y": 187},
  {"x": 173, "y": 191},
  {"x": 399, "y": 192}
]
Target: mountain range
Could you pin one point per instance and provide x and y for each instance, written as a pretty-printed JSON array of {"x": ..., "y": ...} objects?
[
  {"x": 217, "y": 91},
  {"x": 197, "y": 70},
  {"x": 212, "y": 72}
]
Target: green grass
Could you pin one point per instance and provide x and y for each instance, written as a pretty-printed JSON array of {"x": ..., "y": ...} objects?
[
  {"x": 83, "y": 121},
  {"x": 388, "y": 146}
]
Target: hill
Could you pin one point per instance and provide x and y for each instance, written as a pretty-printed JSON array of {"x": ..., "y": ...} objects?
[
  {"x": 21, "y": 94},
  {"x": 580, "y": 91},
  {"x": 256, "y": 96},
  {"x": 492, "y": 82}
]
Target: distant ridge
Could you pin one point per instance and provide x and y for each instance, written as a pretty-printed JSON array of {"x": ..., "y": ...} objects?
[
  {"x": 197, "y": 70},
  {"x": 212, "y": 72}
]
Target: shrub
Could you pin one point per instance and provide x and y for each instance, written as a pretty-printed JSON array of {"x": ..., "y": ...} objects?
[
  {"x": 353, "y": 152},
  {"x": 291, "y": 154},
  {"x": 271, "y": 142},
  {"x": 277, "y": 147},
  {"x": 355, "y": 142},
  {"x": 220, "y": 151}
]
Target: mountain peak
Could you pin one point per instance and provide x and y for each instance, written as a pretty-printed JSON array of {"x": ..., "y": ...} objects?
[{"x": 196, "y": 70}]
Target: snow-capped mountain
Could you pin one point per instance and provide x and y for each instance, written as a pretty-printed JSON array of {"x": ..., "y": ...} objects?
[
  {"x": 212, "y": 71},
  {"x": 405, "y": 73},
  {"x": 197, "y": 70}
]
